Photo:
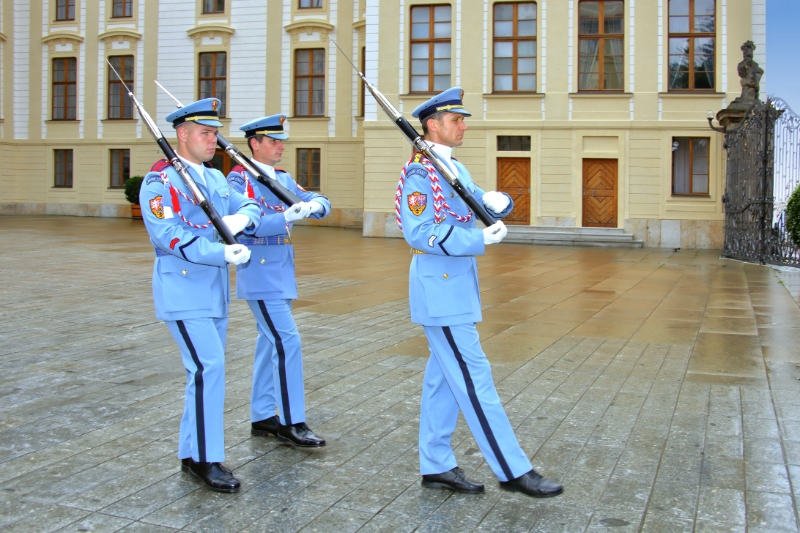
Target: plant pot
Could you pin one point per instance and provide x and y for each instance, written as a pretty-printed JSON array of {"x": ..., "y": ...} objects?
[{"x": 136, "y": 212}]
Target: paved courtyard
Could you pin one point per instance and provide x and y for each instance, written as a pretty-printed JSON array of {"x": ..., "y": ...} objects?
[{"x": 660, "y": 387}]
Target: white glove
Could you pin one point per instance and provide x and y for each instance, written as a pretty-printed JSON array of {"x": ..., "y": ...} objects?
[
  {"x": 297, "y": 211},
  {"x": 495, "y": 201},
  {"x": 316, "y": 207},
  {"x": 236, "y": 223},
  {"x": 494, "y": 233},
  {"x": 236, "y": 254}
]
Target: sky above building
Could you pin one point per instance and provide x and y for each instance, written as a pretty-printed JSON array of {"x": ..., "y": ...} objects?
[{"x": 783, "y": 74}]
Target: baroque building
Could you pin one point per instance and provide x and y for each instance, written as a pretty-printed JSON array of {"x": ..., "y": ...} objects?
[{"x": 588, "y": 112}]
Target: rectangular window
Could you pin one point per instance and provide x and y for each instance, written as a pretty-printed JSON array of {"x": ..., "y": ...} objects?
[
  {"x": 122, "y": 8},
  {"x": 309, "y": 82},
  {"x": 431, "y": 29},
  {"x": 120, "y": 167},
  {"x": 690, "y": 165},
  {"x": 515, "y": 47},
  {"x": 310, "y": 3},
  {"x": 213, "y": 79},
  {"x": 65, "y": 88},
  {"x": 65, "y": 10},
  {"x": 513, "y": 143},
  {"x": 213, "y": 6},
  {"x": 119, "y": 103},
  {"x": 692, "y": 31},
  {"x": 63, "y": 164},
  {"x": 600, "y": 45},
  {"x": 308, "y": 163}
]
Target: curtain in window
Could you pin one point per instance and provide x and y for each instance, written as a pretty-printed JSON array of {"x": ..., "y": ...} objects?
[{"x": 680, "y": 165}]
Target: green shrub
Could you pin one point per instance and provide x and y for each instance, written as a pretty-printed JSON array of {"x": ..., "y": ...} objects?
[
  {"x": 793, "y": 216},
  {"x": 132, "y": 186}
]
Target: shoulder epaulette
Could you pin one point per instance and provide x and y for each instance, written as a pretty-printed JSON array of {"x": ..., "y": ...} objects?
[
  {"x": 160, "y": 165},
  {"x": 239, "y": 169}
]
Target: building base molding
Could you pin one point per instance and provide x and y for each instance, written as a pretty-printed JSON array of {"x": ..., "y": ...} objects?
[{"x": 685, "y": 234}]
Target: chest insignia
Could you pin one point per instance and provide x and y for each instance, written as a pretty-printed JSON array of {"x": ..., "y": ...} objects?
[
  {"x": 157, "y": 207},
  {"x": 417, "y": 202}
]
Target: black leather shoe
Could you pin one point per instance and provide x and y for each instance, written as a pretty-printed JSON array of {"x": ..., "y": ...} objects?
[
  {"x": 216, "y": 475},
  {"x": 534, "y": 485},
  {"x": 452, "y": 479},
  {"x": 265, "y": 428},
  {"x": 185, "y": 464},
  {"x": 299, "y": 435}
]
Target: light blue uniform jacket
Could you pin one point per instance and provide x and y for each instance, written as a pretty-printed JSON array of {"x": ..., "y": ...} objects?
[
  {"x": 190, "y": 276},
  {"x": 270, "y": 272},
  {"x": 443, "y": 282}
]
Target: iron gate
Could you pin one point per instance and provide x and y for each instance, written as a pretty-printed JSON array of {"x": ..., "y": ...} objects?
[{"x": 763, "y": 168}]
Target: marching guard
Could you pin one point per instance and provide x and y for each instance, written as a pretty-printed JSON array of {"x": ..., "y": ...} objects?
[
  {"x": 191, "y": 286},
  {"x": 267, "y": 282},
  {"x": 445, "y": 299}
]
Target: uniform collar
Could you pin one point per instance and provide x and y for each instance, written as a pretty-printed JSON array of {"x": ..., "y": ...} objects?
[
  {"x": 268, "y": 170},
  {"x": 446, "y": 153},
  {"x": 199, "y": 169}
]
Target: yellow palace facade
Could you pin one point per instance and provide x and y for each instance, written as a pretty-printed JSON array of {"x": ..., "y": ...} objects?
[{"x": 590, "y": 113}]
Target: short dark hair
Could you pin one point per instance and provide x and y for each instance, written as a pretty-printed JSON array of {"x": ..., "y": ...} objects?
[
  {"x": 257, "y": 137},
  {"x": 436, "y": 116}
]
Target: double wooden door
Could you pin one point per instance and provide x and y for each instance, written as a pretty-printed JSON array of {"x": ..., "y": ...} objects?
[
  {"x": 514, "y": 179},
  {"x": 600, "y": 193}
]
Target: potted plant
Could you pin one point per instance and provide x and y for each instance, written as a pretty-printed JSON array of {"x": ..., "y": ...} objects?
[{"x": 132, "y": 186}]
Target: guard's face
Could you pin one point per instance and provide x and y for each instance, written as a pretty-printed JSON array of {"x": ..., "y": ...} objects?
[
  {"x": 449, "y": 131},
  {"x": 269, "y": 151},
  {"x": 200, "y": 141}
]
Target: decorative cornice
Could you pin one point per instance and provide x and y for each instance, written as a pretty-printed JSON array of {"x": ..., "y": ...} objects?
[
  {"x": 211, "y": 29},
  {"x": 121, "y": 33},
  {"x": 310, "y": 25},
  {"x": 360, "y": 23},
  {"x": 65, "y": 35}
]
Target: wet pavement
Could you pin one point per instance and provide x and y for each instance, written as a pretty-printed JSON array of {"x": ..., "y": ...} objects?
[{"x": 660, "y": 387}]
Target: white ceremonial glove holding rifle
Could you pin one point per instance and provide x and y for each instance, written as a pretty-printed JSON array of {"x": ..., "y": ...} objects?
[
  {"x": 236, "y": 222},
  {"x": 494, "y": 233},
  {"x": 236, "y": 254},
  {"x": 298, "y": 211}
]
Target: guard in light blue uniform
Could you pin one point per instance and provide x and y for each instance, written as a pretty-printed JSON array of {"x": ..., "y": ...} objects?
[
  {"x": 267, "y": 283},
  {"x": 444, "y": 298},
  {"x": 191, "y": 286}
]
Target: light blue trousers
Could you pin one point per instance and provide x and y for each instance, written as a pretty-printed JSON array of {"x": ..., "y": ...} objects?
[
  {"x": 278, "y": 364},
  {"x": 458, "y": 377},
  {"x": 202, "y": 345}
]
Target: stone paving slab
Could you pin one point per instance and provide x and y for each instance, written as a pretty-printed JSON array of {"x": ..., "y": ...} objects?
[{"x": 660, "y": 387}]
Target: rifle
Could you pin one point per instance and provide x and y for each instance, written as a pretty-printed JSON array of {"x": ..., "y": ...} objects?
[
  {"x": 179, "y": 167},
  {"x": 284, "y": 195},
  {"x": 421, "y": 145}
]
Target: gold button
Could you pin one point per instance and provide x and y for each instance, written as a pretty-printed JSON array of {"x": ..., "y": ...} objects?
[
  {"x": 446, "y": 276},
  {"x": 184, "y": 272},
  {"x": 263, "y": 261},
  {"x": 452, "y": 195}
]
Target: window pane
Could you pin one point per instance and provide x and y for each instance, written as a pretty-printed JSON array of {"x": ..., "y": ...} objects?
[
  {"x": 704, "y": 24},
  {"x": 420, "y": 51},
  {"x": 504, "y": 66},
  {"x": 420, "y": 14},
  {"x": 419, "y": 67},
  {"x": 419, "y": 83},
  {"x": 503, "y": 83},
  {"x": 441, "y": 14},
  {"x": 699, "y": 165},
  {"x": 319, "y": 62},
  {"x": 613, "y": 9},
  {"x": 526, "y": 83},
  {"x": 420, "y": 31},
  {"x": 589, "y": 9},
  {"x": 679, "y": 24},
  {"x": 526, "y": 28},
  {"x": 612, "y": 81},
  {"x": 679, "y": 45},
  {"x": 58, "y": 70},
  {"x": 589, "y": 47},
  {"x": 526, "y": 11},
  {"x": 700, "y": 183},
  {"x": 678, "y": 7},
  {"x": 526, "y": 48},
  {"x": 526, "y": 66},
  {"x": 441, "y": 30},
  {"x": 503, "y": 29},
  {"x": 441, "y": 83},
  {"x": 704, "y": 45},
  {"x": 613, "y": 25},
  {"x": 504, "y": 12},
  {"x": 220, "y": 70},
  {"x": 703, "y": 7},
  {"x": 72, "y": 69},
  {"x": 441, "y": 66},
  {"x": 302, "y": 65},
  {"x": 441, "y": 50},
  {"x": 588, "y": 82},
  {"x": 703, "y": 80},
  {"x": 504, "y": 49}
]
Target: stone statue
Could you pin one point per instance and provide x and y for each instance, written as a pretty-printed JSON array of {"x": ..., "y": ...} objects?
[{"x": 750, "y": 74}]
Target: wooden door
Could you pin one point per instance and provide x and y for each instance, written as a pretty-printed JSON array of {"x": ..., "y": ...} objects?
[
  {"x": 600, "y": 193},
  {"x": 514, "y": 179}
]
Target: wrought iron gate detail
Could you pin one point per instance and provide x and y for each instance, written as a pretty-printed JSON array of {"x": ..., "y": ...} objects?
[{"x": 763, "y": 168}]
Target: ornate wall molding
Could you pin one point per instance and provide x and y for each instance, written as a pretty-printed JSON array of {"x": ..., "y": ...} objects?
[{"x": 211, "y": 31}]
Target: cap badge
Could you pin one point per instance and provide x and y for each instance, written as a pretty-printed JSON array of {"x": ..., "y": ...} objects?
[{"x": 215, "y": 104}]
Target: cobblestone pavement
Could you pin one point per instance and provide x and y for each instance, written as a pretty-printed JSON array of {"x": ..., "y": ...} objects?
[{"x": 661, "y": 388}]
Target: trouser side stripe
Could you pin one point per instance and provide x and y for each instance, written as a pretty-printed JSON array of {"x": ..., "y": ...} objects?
[
  {"x": 287, "y": 412},
  {"x": 476, "y": 405},
  {"x": 199, "y": 411}
]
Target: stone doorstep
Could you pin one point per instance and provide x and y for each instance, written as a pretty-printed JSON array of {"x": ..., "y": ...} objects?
[{"x": 571, "y": 236}]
